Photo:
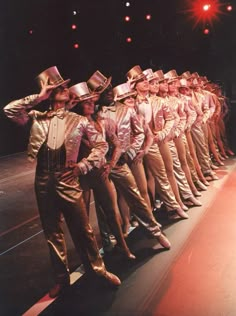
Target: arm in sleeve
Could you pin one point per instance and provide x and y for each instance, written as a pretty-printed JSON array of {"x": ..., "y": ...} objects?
[
  {"x": 137, "y": 135},
  {"x": 96, "y": 157},
  {"x": 17, "y": 110},
  {"x": 168, "y": 125},
  {"x": 113, "y": 140}
]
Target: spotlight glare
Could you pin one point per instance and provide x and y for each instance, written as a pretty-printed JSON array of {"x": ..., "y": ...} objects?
[
  {"x": 74, "y": 12},
  {"x": 148, "y": 17},
  {"x": 127, "y": 4},
  {"x": 229, "y": 8},
  {"x": 76, "y": 45},
  {"x": 31, "y": 32},
  {"x": 128, "y": 39},
  {"x": 127, "y": 18},
  {"x": 206, "y": 7},
  {"x": 73, "y": 26}
]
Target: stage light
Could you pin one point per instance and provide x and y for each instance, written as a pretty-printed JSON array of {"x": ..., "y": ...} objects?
[
  {"x": 206, "y": 31},
  {"x": 148, "y": 17},
  {"x": 73, "y": 26},
  {"x": 76, "y": 45},
  {"x": 31, "y": 32},
  {"x": 74, "y": 12},
  {"x": 206, "y": 7},
  {"x": 127, "y": 18},
  {"x": 127, "y": 4},
  {"x": 229, "y": 8},
  {"x": 128, "y": 39}
]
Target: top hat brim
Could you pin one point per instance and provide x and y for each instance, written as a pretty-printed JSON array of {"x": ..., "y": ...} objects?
[
  {"x": 88, "y": 97},
  {"x": 128, "y": 94},
  {"x": 63, "y": 83},
  {"x": 135, "y": 80}
]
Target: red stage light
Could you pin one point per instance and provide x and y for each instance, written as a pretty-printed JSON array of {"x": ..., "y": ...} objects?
[
  {"x": 127, "y": 18},
  {"x": 229, "y": 8},
  {"x": 31, "y": 32},
  {"x": 76, "y": 45},
  {"x": 74, "y": 27},
  {"x": 206, "y": 7},
  {"x": 128, "y": 39},
  {"x": 148, "y": 17},
  {"x": 206, "y": 31}
]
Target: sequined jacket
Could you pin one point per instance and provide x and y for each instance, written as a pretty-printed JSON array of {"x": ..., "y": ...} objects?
[
  {"x": 162, "y": 119},
  {"x": 75, "y": 127},
  {"x": 129, "y": 129}
]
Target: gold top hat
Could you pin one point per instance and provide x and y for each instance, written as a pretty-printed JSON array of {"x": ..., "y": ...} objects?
[
  {"x": 195, "y": 75},
  {"x": 51, "y": 76},
  {"x": 186, "y": 75},
  {"x": 123, "y": 91},
  {"x": 98, "y": 82},
  {"x": 171, "y": 75},
  {"x": 81, "y": 91},
  {"x": 135, "y": 74},
  {"x": 150, "y": 75},
  {"x": 183, "y": 83},
  {"x": 195, "y": 83},
  {"x": 160, "y": 75}
]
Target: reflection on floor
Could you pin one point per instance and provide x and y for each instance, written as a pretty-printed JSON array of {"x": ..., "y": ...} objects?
[{"x": 196, "y": 277}]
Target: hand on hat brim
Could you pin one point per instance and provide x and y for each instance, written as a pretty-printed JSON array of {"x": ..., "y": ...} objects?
[{"x": 46, "y": 89}]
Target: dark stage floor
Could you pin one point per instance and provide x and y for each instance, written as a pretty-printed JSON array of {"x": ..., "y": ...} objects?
[{"x": 197, "y": 277}]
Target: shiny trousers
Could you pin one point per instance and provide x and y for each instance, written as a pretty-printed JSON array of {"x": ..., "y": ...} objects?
[
  {"x": 155, "y": 165},
  {"x": 182, "y": 182},
  {"x": 58, "y": 195},
  {"x": 201, "y": 148},
  {"x": 107, "y": 210},
  {"x": 126, "y": 185},
  {"x": 190, "y": 160}
]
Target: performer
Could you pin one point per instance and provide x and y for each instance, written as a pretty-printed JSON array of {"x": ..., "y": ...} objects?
[
  {"x": 127, "y": 125},
  {"x": 161, "y": 122},
  {"x": 55, "y": 141},
  {"x": 98, "y": 179}
]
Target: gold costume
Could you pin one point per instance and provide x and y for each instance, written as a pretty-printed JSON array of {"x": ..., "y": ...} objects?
[{"x": 57, "y": 189}]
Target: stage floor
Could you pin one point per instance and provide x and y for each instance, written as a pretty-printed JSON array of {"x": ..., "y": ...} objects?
[{"x": 196, "y": 277}]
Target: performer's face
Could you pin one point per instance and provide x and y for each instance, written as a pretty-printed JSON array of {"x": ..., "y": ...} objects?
[
  {"x": 129, "y": 101},
  {"x": 61, "y": 94},
  {"x": 184, "y": 90},
  {"x": 154, "y": 86},
  {"x": 172, "y": 88},
  {"x": 142, "y": 85},
  {"x": 87, "y": 107},
  {"x": 107, "y": 96},
  {"x": 189, "y": 82},
  {"x": 163, "y": 87}
]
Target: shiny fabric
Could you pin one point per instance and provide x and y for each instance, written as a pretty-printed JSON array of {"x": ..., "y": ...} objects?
[
  {"x": 190, "y": 160},
  {"x": 127, "y": 124},
  {"x": 162, "y": 120},
  {"x": 177, "y": 109},
  {"x": 125, "y": 183},
  {"x": 57, "y": 190},
  {"x": 182, "y": 182},
  {"x": 75, "y": 127},
  {"x": 201, "y": 148},
  {"x": 50, "y": 188},
  {"x": 153, "y": 161}
]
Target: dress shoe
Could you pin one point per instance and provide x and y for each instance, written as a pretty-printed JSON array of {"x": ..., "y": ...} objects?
[
  {"x": 197, "y": 193},
  {"x": 178, "y": 213},
  {"x": 58, "y": 289},
  {"x": 214, "y": 167},
  {"x": 194, "y": 201},
  {"x": 200, "y": 185},
  {"x": 164, "y": 241},
  {"x": 230, "y": 152},
  {"x": 125, "y": 252},
  {"x": 184, "y": 207},
  {"x": 110, "y": 278}
]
